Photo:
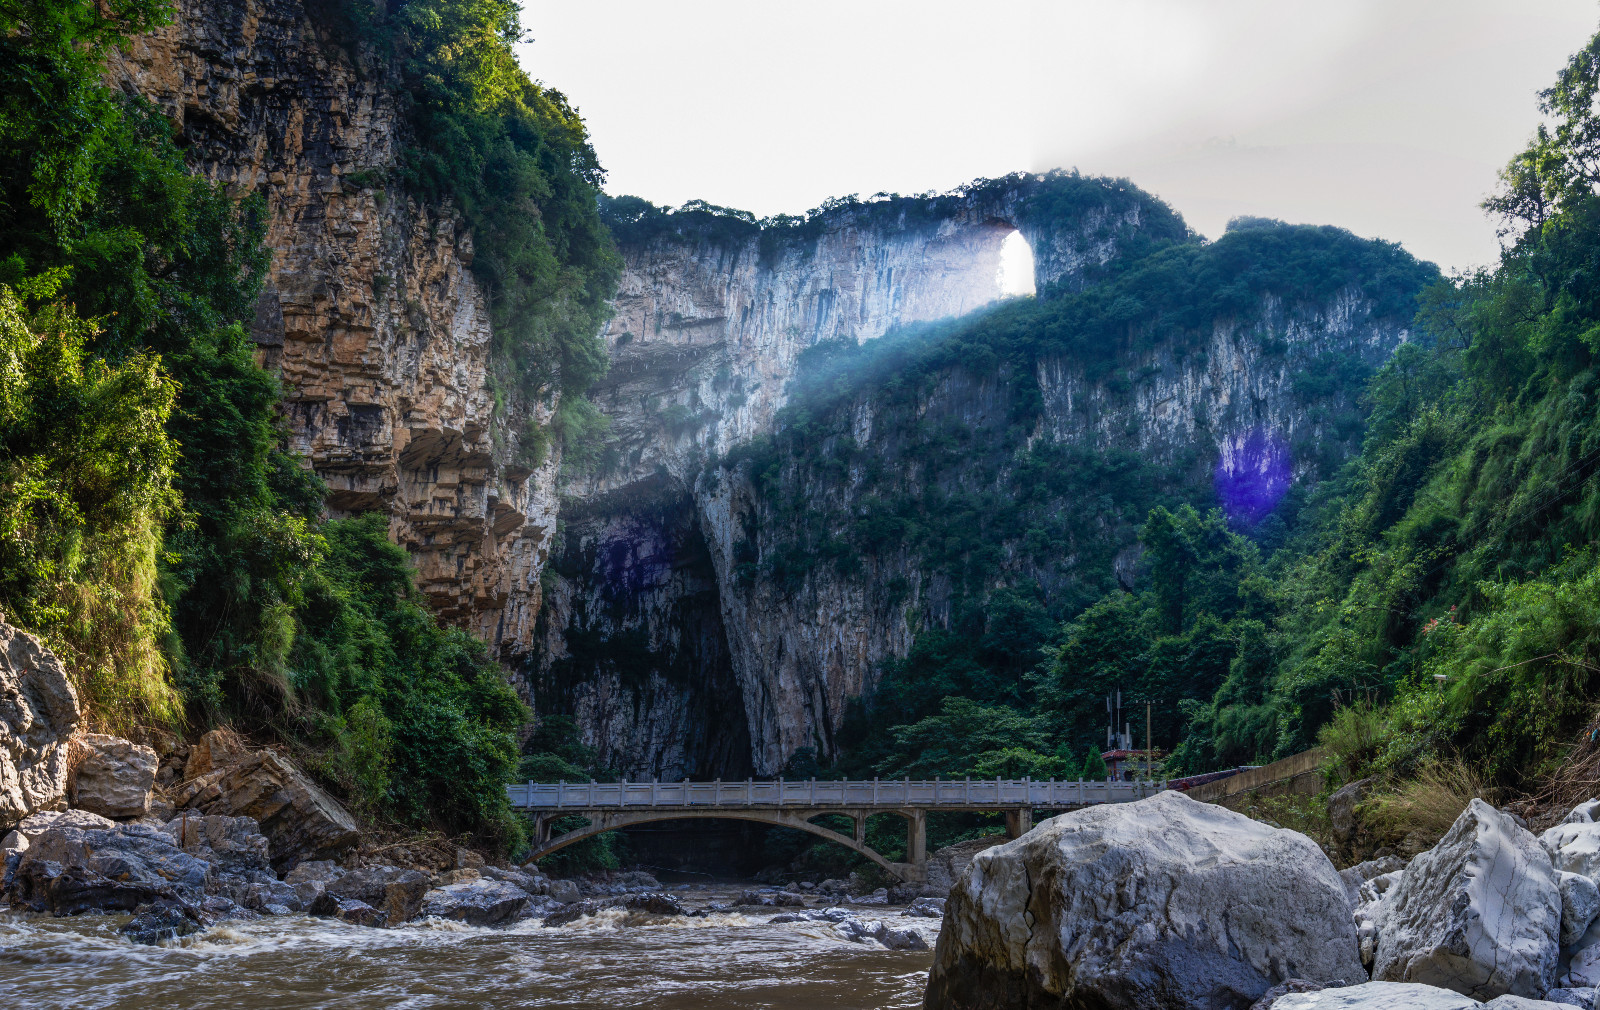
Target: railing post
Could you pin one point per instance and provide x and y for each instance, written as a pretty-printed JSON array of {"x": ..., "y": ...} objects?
[
  {"x": 655, "y": 790},
  {"x": 716, "y": 793},
  {"x": 561, "y": 788},
  {"x": 622, "y": 791},
  {"x": 749, "y": 791},
  {"x": 874, "y": 790},
  {"x": 780, "y": 790},
  {"x": 591, "y": 792},
  {"x": 813, "y": 799}
]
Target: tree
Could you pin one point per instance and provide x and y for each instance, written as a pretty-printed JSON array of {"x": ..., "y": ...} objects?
[{"x": 1094, "y": 766}]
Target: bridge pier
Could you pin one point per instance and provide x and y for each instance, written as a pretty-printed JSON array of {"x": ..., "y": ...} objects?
[
  {"x": 1019, "y": 822},
  {"x": 916, "y": 836}
]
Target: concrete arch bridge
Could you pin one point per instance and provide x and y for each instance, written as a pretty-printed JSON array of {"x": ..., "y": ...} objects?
[{"x": 612, "y": 805}]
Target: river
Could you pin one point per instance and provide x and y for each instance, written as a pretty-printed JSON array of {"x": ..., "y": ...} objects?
[{"x": 615, "y": 960}]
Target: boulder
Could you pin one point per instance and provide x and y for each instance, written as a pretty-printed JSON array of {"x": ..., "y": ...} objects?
[
  {"x": 564, "y": 891},
  {"x": 1161, "y": 904},
  {"x": 1360, "y": 873},
  {"x": 157, "y": 922},
  {"x": 71, "y": 870},
  {"x": 1574, "y": 844},
  {"x": 1369, "y": 911},
  {"x": 1479, "y": 913},
  {"x": 927, "y": 908},
  {"x": 299, "y": 819},
  {"x": 351, "y": 910},
  {"x": 396, "y": 892},
  {"x": 1580, "y": 903},
  {"x": 478, "y": 903},
  {"x": 1509, "y": 1002},
  {"x": 38, "y": 715},
  {"x": 1342, "y": 809},
  {"x": 37, "y": 824},
  {"x": 231, "y": 844},
  {"x": 945, "y": 866},
  {"x": 1283, "y": 989},
  {"x": 111, "y": 776},
  {"x": 876, "y": 931},
  {"x": 534, "y": 885},
  {"x": 1378, "y": 996},
  {"x": 1572, "y": 997}
]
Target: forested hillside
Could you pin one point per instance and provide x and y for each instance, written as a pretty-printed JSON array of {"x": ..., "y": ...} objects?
[
  {"x": 158, "y": 533},
  {"x": 1433, "y": 603}
]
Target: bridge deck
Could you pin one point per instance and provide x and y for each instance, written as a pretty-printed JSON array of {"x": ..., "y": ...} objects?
[{"x": 895, "y": 794}]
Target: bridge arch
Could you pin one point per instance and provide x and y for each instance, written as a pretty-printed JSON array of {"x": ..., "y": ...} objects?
[{"x": 601, "y": 821}]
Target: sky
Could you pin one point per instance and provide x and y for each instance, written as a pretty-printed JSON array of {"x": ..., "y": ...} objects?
[{"x": 1386, "y": 117}]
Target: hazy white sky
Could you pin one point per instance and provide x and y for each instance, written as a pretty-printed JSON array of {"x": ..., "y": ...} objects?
[{"x": 1387, "y": 117}]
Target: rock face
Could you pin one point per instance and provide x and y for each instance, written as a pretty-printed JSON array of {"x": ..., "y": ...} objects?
[
  {"x": 673, "y": 608},
  {"x": 370, "y": 312},
  {"x": 1480, "y": 913},
  {"x": 299, "y": 819},
  {"x": 1156, "y": 905},
  {"x": 38, "y": 714},
  {"x": 112, "y": 776},
  {"x": 477, "y": 903}
]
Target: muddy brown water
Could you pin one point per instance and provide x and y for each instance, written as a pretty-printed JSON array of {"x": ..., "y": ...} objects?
[{"x": 615, "y": 960}]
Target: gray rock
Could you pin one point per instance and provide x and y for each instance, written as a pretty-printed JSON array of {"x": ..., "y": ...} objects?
[
  {"x": 946, "y": 865},
  {"x": 70, "y": 870},
  {"x": 37, "y": 824},
  {"x": 655, "y": 904},
  {"x": 351, "y": 910},
  {"x": 876, "y": 931},
  {"x": 528, "y": 882},
  {"x": 397, "y": 892},
  {"x": 155, "y": 923},
  {"x": 478, "y": 903},
  {"x": 1160, "y": 904},
  {"x": 1509, "y": 1002},
  {"x": 1283, "y": 989},
  {"x": 1369, "y": 912},
  {"x": 1342, "y": 808},
  {"x": 1580, "y": 903},
  {"x": 1360, "y": 873},
  {"x": 232, "y": 844},
  {"x": 564, "y": 891},
  {"x": 112, "y": 776},
  {"x": 927, "y": 908},
  {"x": 1378, "y": 996},
  {"x": 38, "y": 715},
  {"x": 14, "y": 840},
  {"x": 1479, "y": 914},
  {"x": 1574, "y": 844},
  {"x": 1572, "y": 997}
]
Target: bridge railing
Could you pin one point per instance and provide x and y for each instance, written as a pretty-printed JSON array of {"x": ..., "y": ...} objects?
[{"x": 966, "y": 793}]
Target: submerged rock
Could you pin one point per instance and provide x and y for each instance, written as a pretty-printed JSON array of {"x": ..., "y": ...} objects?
[
  {"x": 351, "y": 910},
  {"x": 396, "y": 892},
  {"x": 38, "y": 714},
  {"x": 112, "y": 776},
  {"x": 1161, "y": 904},
  {"x": 164, "y": 920},
  {"x": 1479, "y": 913}
]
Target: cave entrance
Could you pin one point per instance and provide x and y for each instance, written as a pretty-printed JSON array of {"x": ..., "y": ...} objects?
[{"x": 1015, "y": 274}]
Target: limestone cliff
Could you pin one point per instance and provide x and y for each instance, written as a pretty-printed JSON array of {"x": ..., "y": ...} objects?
[
  {"x": 715, "y": 561},
  {"x": 370, "y": 313}
]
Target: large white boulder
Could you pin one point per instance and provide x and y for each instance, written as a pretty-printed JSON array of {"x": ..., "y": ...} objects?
[
  {"x": 38, "y": 714},
  {"x": 1479, "y": 913},
  {"x": 1163, "y": 904},
  {"x": 1574, "y": 844},
  {"x": 111, "y": 776},
  {"x": 1378, "y": 996}
]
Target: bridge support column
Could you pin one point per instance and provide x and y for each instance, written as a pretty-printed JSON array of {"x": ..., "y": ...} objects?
[
  {"x": 859, "y": 819},
  {"x": 1019, "y": 822},
  {"x": 916, "y": 836}
]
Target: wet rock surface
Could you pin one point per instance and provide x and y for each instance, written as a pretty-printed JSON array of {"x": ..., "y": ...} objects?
[
  {"x": 68, "y": 871},
  {"x": 477, "y": 903}
]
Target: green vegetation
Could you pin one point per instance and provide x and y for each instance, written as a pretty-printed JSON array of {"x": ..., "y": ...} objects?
[
  {"x": 156, "y": 531},
  {"x": 1428, "y": 611}
]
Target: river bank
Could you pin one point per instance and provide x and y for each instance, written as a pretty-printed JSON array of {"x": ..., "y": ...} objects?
[{"x": 734, "y": 960}]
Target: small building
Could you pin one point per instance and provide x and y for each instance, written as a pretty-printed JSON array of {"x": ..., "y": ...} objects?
[{"x": 1133, "y": 765}]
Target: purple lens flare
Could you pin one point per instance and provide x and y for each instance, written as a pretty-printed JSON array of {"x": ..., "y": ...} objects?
[{"x": 1253, "y": 472}]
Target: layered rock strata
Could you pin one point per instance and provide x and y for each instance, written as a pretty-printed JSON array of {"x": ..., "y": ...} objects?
[{"x": 370, "y": 312}]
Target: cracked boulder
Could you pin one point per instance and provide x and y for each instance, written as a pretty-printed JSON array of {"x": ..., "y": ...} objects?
[
  {"x": 299, "y": 819},
  {"x": 67, "y": 871},
  {"x": 1163, "y": 904},
  {"x": 111, "y": 776},
  {"x": 38, "y": 714},
  {"x": 1479, "y": 913}
]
